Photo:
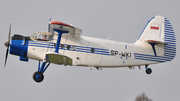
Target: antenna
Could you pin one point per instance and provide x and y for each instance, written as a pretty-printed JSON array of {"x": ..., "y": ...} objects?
[{"x": 109, "y": 36}]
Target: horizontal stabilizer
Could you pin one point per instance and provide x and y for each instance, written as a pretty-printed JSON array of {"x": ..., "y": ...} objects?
[
  {"x": 58, "y": 58},
  {"x": 154, "y": 41}
]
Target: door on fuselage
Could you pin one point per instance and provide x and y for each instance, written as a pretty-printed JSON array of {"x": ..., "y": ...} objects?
[{"x": 93, "y": 59}]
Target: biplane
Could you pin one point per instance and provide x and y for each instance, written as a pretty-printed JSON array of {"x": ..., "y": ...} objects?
[{"x": 64, "y": 44}]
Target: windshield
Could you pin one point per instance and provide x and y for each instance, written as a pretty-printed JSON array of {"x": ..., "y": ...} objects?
[
  {"x": 33, "y": 35},
  {"x": 40, "y": 36},
  {"x": 36, "y": 36}
]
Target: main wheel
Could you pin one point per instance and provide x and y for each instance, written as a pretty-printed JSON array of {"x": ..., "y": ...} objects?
[
  {"x": 38, "y": 76},
  {"x": 148, "y": 71}
]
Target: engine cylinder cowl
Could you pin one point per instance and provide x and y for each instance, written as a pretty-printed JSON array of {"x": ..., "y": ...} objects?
[{"x": 19, "y": 45}]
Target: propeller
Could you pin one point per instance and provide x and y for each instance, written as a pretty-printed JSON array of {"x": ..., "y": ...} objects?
[{"x": 7, "y": 44}]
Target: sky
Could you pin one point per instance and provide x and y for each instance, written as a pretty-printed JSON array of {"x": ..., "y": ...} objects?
[{"x": 97, "y": 18}]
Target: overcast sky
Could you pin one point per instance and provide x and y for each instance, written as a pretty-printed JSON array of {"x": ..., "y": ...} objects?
[{"x": 97, "y": 18}]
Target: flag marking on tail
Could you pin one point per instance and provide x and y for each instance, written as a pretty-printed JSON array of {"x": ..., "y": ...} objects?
[{"x": 154, "y": 27}]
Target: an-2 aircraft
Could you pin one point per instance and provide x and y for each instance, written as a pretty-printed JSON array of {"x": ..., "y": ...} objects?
[{"x": 64, "y": 45}]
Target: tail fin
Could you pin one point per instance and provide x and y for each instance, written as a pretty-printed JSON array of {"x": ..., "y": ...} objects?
[{"x": 159, "y": 30}]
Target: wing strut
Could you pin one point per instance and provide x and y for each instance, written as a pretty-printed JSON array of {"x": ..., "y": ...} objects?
[{"x": 60, "y": 32}]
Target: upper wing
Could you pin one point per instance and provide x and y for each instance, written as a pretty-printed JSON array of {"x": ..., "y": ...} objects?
[{"x": 75, "y": 32}]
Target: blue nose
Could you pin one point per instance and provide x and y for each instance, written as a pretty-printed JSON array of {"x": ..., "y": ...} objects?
[{"x": 19, "y": 45}]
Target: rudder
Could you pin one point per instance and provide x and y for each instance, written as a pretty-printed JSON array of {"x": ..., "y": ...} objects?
[{"x": 170, "y": 40}]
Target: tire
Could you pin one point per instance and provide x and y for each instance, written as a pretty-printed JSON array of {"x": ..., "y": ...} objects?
[
  {"x": 148, "y": 71},
  {"x": 38, "y": 76}
]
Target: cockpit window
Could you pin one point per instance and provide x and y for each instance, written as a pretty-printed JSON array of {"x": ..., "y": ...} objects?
[
  {"x": 36, "y": 35},
  {"x": 32, "y": 36},
  {"x": 41, "y": 36}
]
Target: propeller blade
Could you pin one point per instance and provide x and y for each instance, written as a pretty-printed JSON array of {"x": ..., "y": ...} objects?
[
  {"x": 7, "y": 44},
  {"x": 6, "y": 57},
  {"x": 9, "y": 36}
]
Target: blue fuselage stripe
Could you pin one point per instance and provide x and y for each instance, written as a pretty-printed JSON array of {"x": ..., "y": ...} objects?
[{"x": 72, "y": 48}]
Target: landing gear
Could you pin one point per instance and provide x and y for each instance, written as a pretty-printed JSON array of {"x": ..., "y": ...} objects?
[
  {"x": 148, "y": 70},
  {"x": 38, "y": 75}
]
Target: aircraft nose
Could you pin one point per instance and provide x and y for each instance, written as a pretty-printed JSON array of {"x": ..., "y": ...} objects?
[
  {"x": 6, "y": 44},
  {"x": 19, "y": 46}
]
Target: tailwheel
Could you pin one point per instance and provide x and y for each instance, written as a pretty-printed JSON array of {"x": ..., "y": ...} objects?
[
  {"x": 38, "y": 76},
  {"x": 148, "y": 71}
]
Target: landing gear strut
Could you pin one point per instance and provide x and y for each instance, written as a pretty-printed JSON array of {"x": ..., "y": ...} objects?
[
  {"x": 38, "y": 75},
  {"x": 148, "y": 70}
]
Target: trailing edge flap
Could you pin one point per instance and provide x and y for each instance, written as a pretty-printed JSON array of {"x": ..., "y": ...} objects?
[
  {"x": 75, "y": 32},
  {"x": 58, "y": 58},
  {"x": 154, "y": 41}
]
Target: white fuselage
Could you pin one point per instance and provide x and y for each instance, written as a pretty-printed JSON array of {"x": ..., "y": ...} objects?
[{"x": 93, "y": 52}]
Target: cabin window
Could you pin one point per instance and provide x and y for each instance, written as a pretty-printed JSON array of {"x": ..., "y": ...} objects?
[
  {"x": 68, "y": 46},
  {"x": 62, "y": 46},
  {"x": 92, "y": 50},
  {"x": 74, "y": 47}
]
